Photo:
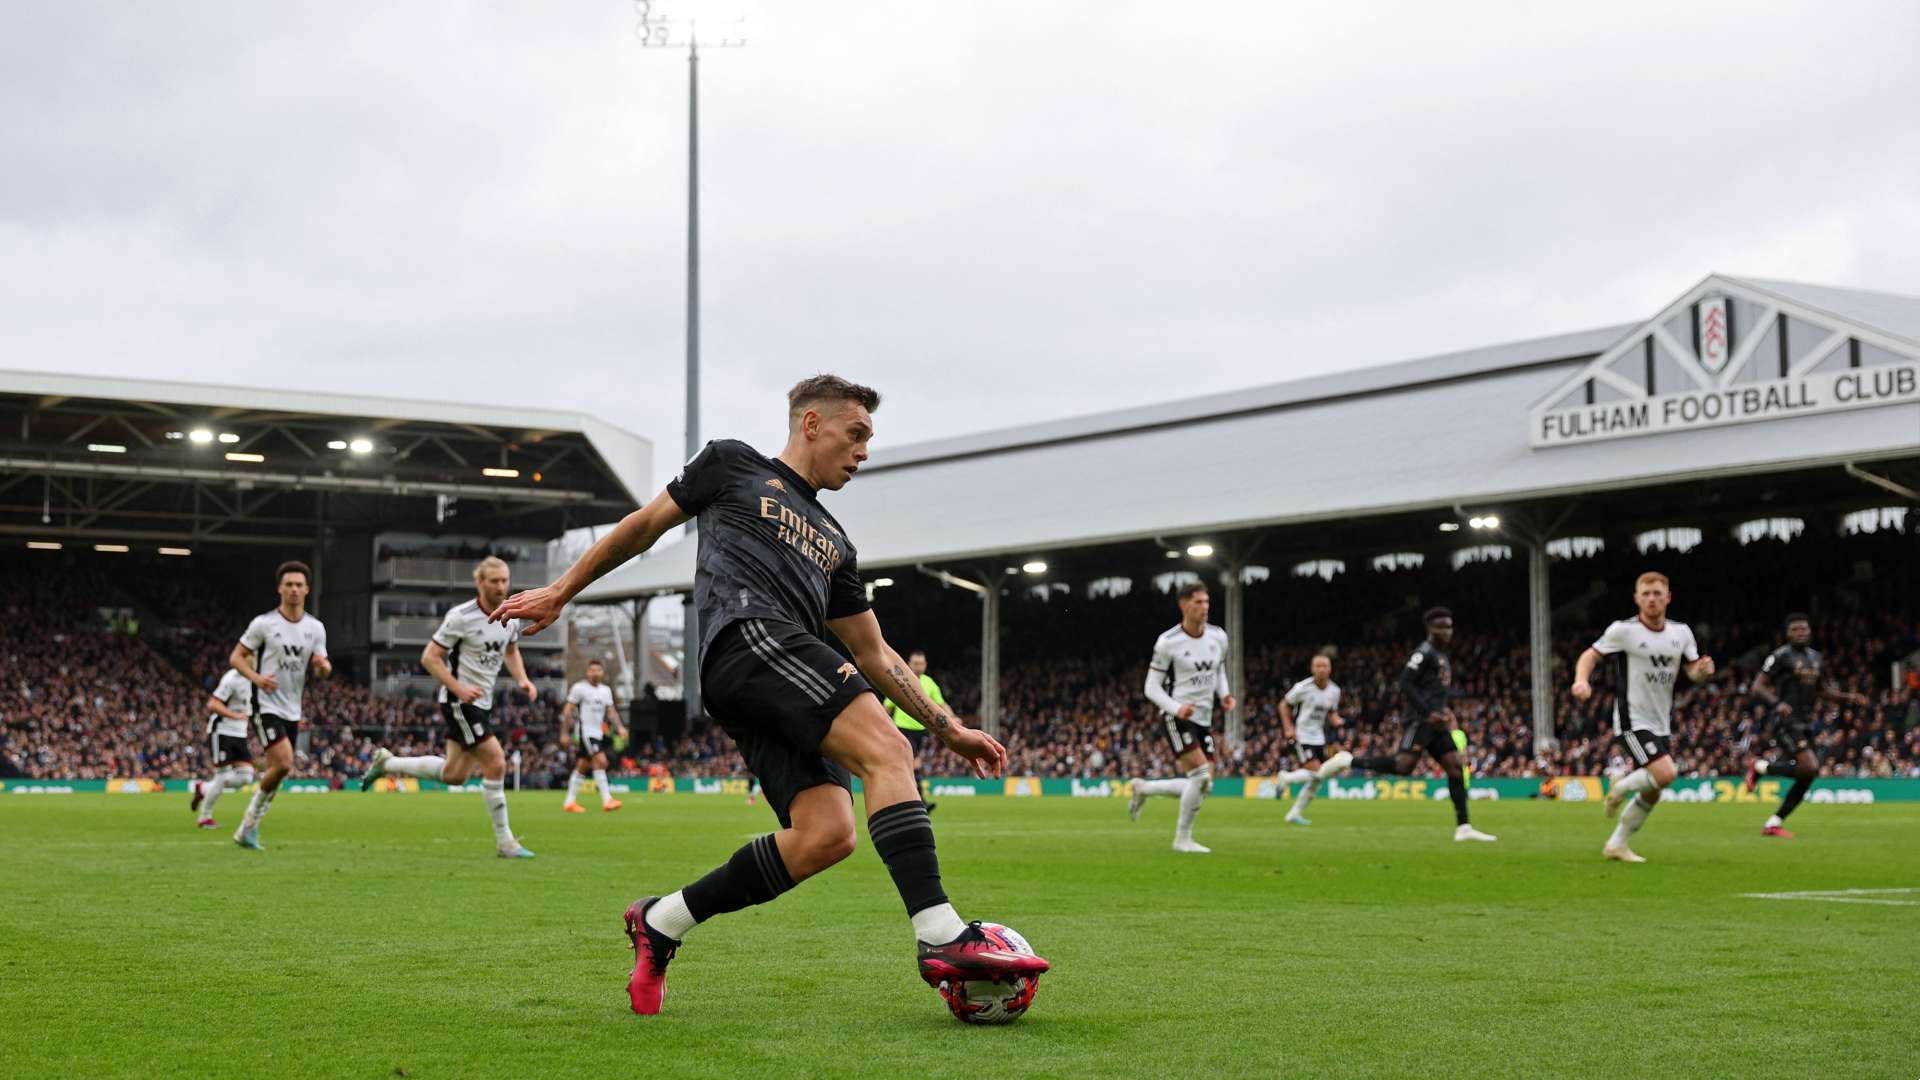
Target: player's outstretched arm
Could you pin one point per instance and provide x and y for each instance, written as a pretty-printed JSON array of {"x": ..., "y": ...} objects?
[
  {"x": 215, "y": 705},
  {"x": 242, "y": 662},
  {"x": 887, "y": 670},
  {"x": 636, "y": 533}
]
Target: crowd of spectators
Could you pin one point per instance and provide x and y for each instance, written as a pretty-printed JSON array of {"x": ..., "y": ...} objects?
[{"x": 84, "y": 694}]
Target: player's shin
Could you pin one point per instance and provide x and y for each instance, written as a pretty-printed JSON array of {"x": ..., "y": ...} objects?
[
  {"x": 902, "y": 836},
  {"x": 1305, "y": 797},
  {"x": 573, "y": 787},
  {"x": 1199, "y": 782},
  {"x": 1457, "y": 791},
  {"x": 1801, "y": 784},
  {"x": 600, "y": 784},
  {"x": 420, "y": 768},
  {"x": 754, "y": 875},
  {"x": 494, "y": 794},
  {"x": 1631, "y": 818}
]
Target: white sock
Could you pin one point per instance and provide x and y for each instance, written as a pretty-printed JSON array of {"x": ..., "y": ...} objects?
[
  {"x": 1634, "y": 816},
  {"x": 1301, "y": 800},
  {"x": 1328, "y": 772},
  {"x": 670, "y": 916},
  {"x": 573, "y": 787},
  {"x": 257, "y": 809},
  {"x": 210, "y": 792},
  {"x": 494, "y": 794},
  {"x": 1297, "y": 776},
  {"x": 1197, "y": 783},
  {"x": 1761, "y": 766},
  {"x": 1637, "y": 781},
  {"x": 420, "y": 768},
  {"x": 1175, "y": 788},
  {"x": 937, "y": 925},
  {"x": 600, "y": 781},
  {"x": 234, "y": 777},
  {"x": 1776, "y": 822}
]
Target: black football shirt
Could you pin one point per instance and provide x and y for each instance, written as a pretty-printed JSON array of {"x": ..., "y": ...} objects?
[{"x": 768, "y": 549}]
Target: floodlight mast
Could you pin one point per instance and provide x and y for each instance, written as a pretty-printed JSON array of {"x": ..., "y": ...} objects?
[{"x": 657, "y": 30}]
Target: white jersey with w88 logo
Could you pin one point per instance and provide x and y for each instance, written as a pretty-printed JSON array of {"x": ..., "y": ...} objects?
[
  {"x": 1311, "y": 707},
  {"x": 284, "y": 650},
  {"x": 1188, "y": 670},
  {"x": 1646, "y": 663},
  {"x": 476, "y": 648}
]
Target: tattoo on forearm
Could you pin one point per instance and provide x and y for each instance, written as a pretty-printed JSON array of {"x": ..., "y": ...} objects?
[{"x": 907, "y": 685}]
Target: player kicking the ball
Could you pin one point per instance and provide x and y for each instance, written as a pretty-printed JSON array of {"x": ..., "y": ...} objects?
[
  {"x": 588, "y": 713},
  {"x": 466, "y": 655},
  {"x": 1649, "y": 652},
  {"x": 1307, "y": 713},
  {"x": 1188, "y": 669},
  {"x": 775, "y": 574}
]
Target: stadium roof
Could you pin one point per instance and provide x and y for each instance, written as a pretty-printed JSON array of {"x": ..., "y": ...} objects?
[
  {"x": 1423, "y": 435},
  {"x": 116, "y": 458}
]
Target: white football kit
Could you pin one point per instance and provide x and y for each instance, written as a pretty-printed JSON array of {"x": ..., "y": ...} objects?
[
  {"x": 590, "y": 705},
  {"x": 1311, "y": 707},
  {"x": 236, "y": 693},
  {"x": 284, "y": 650},
  {"x": 476, "y": 649},
  {"x": 1188, "y": 670}
]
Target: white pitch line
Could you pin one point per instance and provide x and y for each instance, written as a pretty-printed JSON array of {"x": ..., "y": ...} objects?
[{"x": 1841, "y": 896}]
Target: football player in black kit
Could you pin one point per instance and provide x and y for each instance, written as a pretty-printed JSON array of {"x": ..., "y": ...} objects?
[
  {"x": 1426, "y": 721},
  {"x": 1793, "y": 679},
  {"x": 774, "y": 574}
]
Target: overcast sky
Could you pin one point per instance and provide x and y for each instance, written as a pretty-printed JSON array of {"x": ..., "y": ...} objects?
[{"x": 997, "y": 213}]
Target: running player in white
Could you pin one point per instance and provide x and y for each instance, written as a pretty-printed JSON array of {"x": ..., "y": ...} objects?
[
  {"x": 230, "y": 706},
  {"x": 1649, "y": 653},
  {"x": 1308, "y": 711},
  {"x": 465, "y": 655},
  {"x": 1189, "y": 667},
  {"x": 275, "y": 654},
  {"x": 590, "y": 705}
]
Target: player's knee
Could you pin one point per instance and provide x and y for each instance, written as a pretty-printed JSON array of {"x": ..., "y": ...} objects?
[
  {"x": 1663, "y": 771},
  {"x": 886, "y": 751},
  {"x": 1650, "y": 796},
  {"x": 822, "y": 846}
]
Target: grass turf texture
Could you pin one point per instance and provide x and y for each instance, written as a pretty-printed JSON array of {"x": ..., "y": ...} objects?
[{"x": 378, "y": 936}]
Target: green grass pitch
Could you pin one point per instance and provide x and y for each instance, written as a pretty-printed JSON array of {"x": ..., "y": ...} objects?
[{"x": 378, "y": 936}]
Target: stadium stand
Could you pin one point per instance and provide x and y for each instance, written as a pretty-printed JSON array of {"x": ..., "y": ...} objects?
[{"x": 90, "y": 693}]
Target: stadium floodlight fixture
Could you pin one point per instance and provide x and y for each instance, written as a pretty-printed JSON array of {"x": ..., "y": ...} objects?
[
  {"x": 176, "y": 434},
  {"x": 229, "y": 438},
  {"x": 1487, "y": 522},
  {"x": 176, "y": 551},
  {"x": 336, "y": 444},
  {"x": 115, "y": 549},
  {"x": 361, "y": 446},
  {"x": 1449, "y": 526},
  {"x": 1200, "y": 551},
  {"x": 882, "y": 582},
  {"x": 235, "y": 455},
  {"x": 1173, "y": 554},
  {"x": 502, "y": 474},
  {"x": 106, "y": 448},
  {"x": 1034, "y": 566},
  {"x": 200, "y": 435},
  {"x": 44, "y": 545}
]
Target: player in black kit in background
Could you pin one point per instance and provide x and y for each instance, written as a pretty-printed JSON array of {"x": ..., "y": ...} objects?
[
  {"x": 1426, "y": 723},
  {"x": 1793, "y": 679},
  {"x": 774, "y": 574}
]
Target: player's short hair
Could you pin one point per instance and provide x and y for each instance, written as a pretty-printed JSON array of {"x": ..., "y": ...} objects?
[
  {"x": 1651, "y": 576},
  {"x": 1435, "y": 614},
  {"x": 1190, "y": 588},
  {"x": 595, "y": 662},
  {"x": 293, "y": 566},
  {"x": 1797, "y": 616},
  {"x": 823, "y": 387},
  {"x": 922, "y": 653},
  {"x": 491, "y": 562}
]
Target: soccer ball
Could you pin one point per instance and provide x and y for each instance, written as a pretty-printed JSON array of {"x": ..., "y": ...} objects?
[{"x": 985, "y": 1001}]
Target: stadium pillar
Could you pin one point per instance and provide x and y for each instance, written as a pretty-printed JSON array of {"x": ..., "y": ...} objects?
[
  {"x": 1234, "y": 583},
  {"x": 1540, "y": 643},
  {"x": 990, "y": 657}
]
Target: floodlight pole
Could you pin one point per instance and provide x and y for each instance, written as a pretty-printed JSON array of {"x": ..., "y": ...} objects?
[{"x": 658, "y": 32}]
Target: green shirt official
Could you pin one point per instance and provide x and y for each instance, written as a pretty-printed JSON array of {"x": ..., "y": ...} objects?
[{"x": 903, "y": 719}]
